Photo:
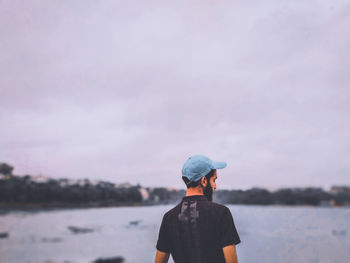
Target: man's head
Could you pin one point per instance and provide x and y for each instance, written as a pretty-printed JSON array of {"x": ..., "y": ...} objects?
[
  {"x": 200, "y": 172},
  {"x": 206, "y": 183}
]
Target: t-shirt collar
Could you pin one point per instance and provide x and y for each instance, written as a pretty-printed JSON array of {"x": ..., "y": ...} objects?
[{"x": 195, "y": 197}]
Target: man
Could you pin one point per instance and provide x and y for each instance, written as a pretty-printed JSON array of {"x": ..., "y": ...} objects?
[{"x": 198, "y": 230}]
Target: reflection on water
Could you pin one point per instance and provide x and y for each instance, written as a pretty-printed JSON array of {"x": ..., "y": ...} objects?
[{"x": 268, "y": 234}]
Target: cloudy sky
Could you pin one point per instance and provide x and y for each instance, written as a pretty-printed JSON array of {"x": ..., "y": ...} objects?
[{"x": 128, "y": 90}]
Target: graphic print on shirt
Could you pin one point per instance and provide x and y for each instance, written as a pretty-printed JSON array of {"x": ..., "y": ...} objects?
[
  {"x": 189, "y": 212},
  {"x": 188, "y": 221}
]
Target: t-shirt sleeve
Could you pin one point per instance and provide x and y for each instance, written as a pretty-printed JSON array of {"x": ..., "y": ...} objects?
[
  {"x": 163, "y": 243},
  {"x": 228, "y": 231}
]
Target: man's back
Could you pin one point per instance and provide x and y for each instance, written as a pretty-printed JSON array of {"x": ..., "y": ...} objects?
[{"x": 196, "y": 230}]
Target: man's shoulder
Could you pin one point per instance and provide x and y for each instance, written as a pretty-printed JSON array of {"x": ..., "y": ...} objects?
[
  {"x": 217, "y": 209},
  {"x": 218, "y": 206}
]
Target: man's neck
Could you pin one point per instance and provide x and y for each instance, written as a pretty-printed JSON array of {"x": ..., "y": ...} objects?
[{"x": 194, "y": 191}]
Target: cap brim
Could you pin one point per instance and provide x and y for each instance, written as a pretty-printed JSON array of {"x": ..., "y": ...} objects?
[{"x": 219, "y": 165}]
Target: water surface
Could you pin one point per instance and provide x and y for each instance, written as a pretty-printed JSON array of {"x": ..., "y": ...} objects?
[{"x": 268, "y": 234}]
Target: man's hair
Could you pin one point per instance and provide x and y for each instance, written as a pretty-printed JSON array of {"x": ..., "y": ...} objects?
[{"x": 194, "y": 184}]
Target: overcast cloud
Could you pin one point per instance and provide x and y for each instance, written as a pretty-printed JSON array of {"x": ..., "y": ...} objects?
[{"x": 128, "y": 90}]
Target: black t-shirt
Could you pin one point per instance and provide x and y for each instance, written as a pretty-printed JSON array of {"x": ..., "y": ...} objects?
[{"x": 196, "y": 230}]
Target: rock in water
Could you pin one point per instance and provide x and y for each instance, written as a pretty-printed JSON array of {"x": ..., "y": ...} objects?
[
  {"x": 80, "y": 230},
  {"x": 4, "y": 234},
  {"x": 110, "y": 260},
  {"x": 135, "y": 222}
]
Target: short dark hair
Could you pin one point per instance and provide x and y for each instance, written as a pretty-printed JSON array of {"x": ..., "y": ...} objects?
[{"x": 194, "y": 184}]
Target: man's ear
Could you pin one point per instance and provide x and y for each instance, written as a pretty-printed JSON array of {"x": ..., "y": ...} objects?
[{"x": 204, "y": 181}]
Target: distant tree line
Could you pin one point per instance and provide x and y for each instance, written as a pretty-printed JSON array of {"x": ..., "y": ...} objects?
[
  {"x": 162, "y": 195},
  {"x": 285, "y": 196},
  {"x": 22, "y": 189},
  {"x": 258, "y": 196},
  {"x": 25, "y": 190}
]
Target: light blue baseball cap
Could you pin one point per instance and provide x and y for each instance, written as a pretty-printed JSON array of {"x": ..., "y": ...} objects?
[{"x": 198, "y": 166}]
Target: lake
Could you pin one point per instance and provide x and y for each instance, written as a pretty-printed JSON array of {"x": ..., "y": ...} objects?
[{"x": 268, "y": 234}]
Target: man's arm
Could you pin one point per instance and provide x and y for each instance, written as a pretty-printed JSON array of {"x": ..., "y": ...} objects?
[
  {"x": 162, "y": 257},
  {"x": 230, "y": 254}
]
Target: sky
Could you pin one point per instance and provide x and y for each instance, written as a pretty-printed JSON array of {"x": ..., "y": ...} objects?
[{"x": 126, "y": 91}]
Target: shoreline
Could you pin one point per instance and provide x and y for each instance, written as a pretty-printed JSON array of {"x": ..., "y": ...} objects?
[{"x": 40, "y": 207}]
